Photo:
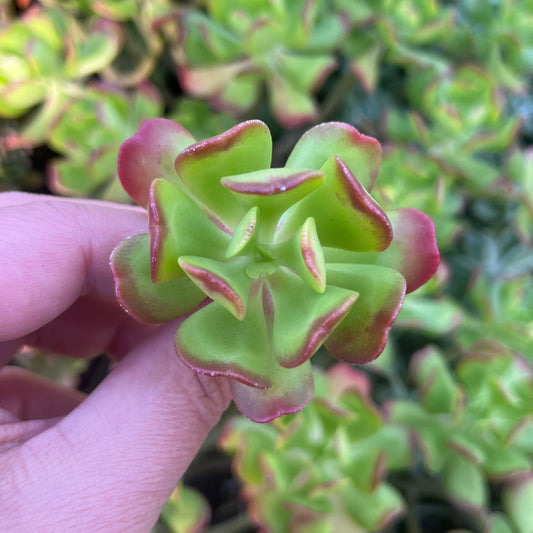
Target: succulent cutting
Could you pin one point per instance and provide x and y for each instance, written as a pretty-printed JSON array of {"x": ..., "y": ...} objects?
[{"x": 269, "y": 263}]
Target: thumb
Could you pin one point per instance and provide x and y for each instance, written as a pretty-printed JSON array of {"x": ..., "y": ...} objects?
[{"x": 112, "y": 463}]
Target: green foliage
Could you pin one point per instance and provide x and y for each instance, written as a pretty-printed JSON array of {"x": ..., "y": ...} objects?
[
  {"x": 89, "y": 134},
  {"x": 446, "y": 87},
  {"x": 229, "y": 52},
  {"x": 43, "y": 58},
  {"x": 324, "y": 467},
  {"x": 186, "y": 511}
]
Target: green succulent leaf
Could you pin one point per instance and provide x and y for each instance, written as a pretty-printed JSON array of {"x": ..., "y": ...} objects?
[
  {"x": 362, "y": 335},
  {"x": 464, "y": 483},
  {"x": 359, "y": 153},
  {"x": 373, "y": 510},
  {"x": 245, "y": 148},
  {"x": 186, "y": 511},
  {"x": 178, "y": 227},
  {"x": 305, "y": 255},
  {"x": 302, "y": 318},
  {"x": 224, "y": 282},
  {"x": 359, "y": 224},
  {"x": 213, "y": 341},
  {"x": 273, "y": 191},
  {"x": 244, "y": 235},
  {"x": 517, "y": 499},
  {"x": 144, "y": 300},
  {"x": 291, "y": 390},
  {"x": 430, "y": 372}
]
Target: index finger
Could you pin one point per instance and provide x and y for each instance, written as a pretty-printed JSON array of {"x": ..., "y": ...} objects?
[{"x": 54, "y": 250}]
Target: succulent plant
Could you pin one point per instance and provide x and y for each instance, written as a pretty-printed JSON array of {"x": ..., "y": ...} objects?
[
  {"x": 323, "y": 469},
  {"x": 273, "y": 261},
  {"x": 409, "y": 33},
  {"x": 496, "y": 34},
  {"x": 460, "y": 117},
  {"x": 43, "y": 56},
  {"x": 229, "y": 52},
  {"x": 88, "y": 137},
  {"x": 472, "y": 427}
]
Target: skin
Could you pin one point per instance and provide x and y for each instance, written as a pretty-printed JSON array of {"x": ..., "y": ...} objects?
[{"x": 109, "y": 461}]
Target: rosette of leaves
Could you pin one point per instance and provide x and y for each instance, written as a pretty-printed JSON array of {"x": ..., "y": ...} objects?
[
  {"x": 502, "y": 308},
  {"x": 88, "y": 137},
  {"x": 473, "y": 427},
  {"x": 409, "y": 33},
  {"x": 229, "y": 52},
  {"x": 44, "y": 57},
  {"x": 499, "y": 36},
  {"x": 323, "y": 469},
  {"x": 283, "y": 259},
  {"x": 459, "y": 119},
  {"x": 142, "y": 45}
]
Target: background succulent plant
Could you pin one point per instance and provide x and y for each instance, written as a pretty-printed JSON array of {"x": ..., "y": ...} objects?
[{"x": 228, "y": 53}]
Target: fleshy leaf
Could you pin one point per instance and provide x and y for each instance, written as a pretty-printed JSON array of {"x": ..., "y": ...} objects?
[
  {"x": 359, "y": 223},
  {"x": 224, "y": 283},
  {"x": 429, "y": 371},
  {"x": 517, "y": 500},
  {"x": 239, "y": 95},
  {"x": 305, "y": 255},
  {"x": 464, "y": 483},
  {"x": 273, "y": 191},
  {"x": 291, "y": 106},
  {"x": 246, "y": 147},
  {"x": 244, "y": 234},
  {"x": 186, "y": 511},
  {"x": 413, "y": 250},
  {"x": 178, "y": 227},
  {"x": 303, "y": 319},
  {"x": 144, "y": 300},
  {"x": 361, "y": 154},
  {"x": 150, "y": 154},
  {"x": 212, "y": 341},
  {"x": 204, "y": 82},
  {"x": 374, "y": 510},
  {"x": 304, "y": 71},
  {"x": 291, "y": 390},
  {"x": 363, "y": 333}
]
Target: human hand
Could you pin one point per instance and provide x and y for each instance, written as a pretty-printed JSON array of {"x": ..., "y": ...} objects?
[{"x": 109, "y": 461}]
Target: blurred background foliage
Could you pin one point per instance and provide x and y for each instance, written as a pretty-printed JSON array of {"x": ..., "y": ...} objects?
[{"x": 437, "y": 434}]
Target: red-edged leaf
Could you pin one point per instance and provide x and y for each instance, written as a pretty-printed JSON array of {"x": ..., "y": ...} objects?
[
  {"x": 273, "y": 191},
  {"x": 302, "y": 318},
  {"x": 413, "y": 251},
  {"x": 361, "y": 154},
  {"x": 140, "y": 297},
  {"x": 244, "y": 148},
  {"x": 212, "y": 341},
  {"x": 224, "y": 282},
  {"x": 179, "y": 227},
  {"x": 291, "y": 391},
  {"x": 363, "y": 333},
  {"x": 150, "y": 154},
  {"x": 346, "y": 216}
]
